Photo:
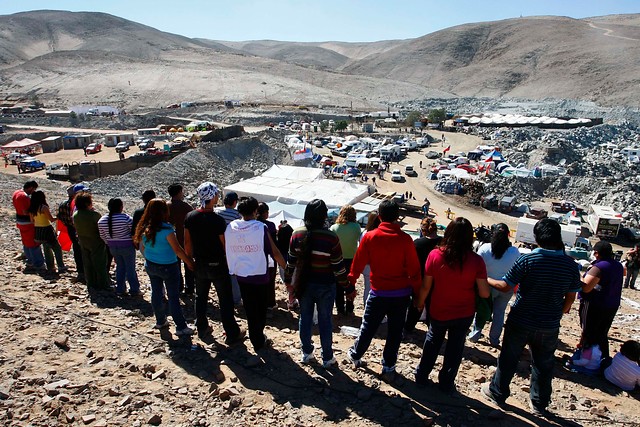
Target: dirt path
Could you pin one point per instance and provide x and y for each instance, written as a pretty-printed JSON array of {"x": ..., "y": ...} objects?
[{"x": 609, "y": 33}]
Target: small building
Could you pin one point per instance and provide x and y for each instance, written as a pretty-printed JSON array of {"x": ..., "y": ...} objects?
[
  {"x": 51, "y": 144},
  {"x": 71, "y": 142},
  {"x": 112, "y": 139},
  {"x": 148, "y": 131},
  {"x": 367, "y": 127},
  {"x": 58, "y": 113}
]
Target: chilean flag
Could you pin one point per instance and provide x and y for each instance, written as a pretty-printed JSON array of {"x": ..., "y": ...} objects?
[{"x": 446, "y": 149}]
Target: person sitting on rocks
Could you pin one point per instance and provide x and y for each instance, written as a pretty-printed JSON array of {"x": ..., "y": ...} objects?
[{"x": 624, "y": 370}]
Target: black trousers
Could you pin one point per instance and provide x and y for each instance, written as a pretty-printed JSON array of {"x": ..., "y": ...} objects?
[
  {"x": 205, "y": 274},
  {"x": 254, "y": 299},
  {"x": 343, "y": 306},
  {"x": 77, "y": 251},
  {"x": 596, "y": 322}
]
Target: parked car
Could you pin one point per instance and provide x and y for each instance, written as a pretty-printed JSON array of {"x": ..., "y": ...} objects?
[
  {"x": 410, "y": 171},
  {"x": 94, "y": 147},
  {"x": 396, "y": 176},
  {"x": 30, "y": 164},
  {"x": 438, "y": 168},
  {"x": 15, "y": 157},
  {"x": 629, "y": 233},
  {"x": 468, "y": 168},
  {"x": 154, "y": 151},
  {"x": 147, "y": 143},
  {"x": 537, "y": 213},
  {"x": 122, "y": 147},
  {"x": 432, "y": 154}
]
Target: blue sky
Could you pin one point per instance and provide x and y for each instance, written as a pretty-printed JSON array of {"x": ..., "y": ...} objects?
[{"x": 321, "y": 20}]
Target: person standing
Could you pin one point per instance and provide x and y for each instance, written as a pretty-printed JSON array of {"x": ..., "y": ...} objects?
[
  {"x": 204, "y": 241},
  {"x": 115, "y": 231},
  {"x": 44, "y": 232},
  {"x": 178, "y": 210},
  {"x": 248, "y": 246},
  {"x": 600, "y": 297},
  {"x": 229, "y": 213},
  {"x": 21, "y": 201},
  {"x": 147, "y": 196},
  {"x": 454, "y": 272},
  {"x": 373, "y": 221},
  {"x": 283, "y": 238},
  {"x": 395, "y": 276},
  {"x": 548, "y": 281},
  {"x": 348, "y": 231},
  {"x": 315, "y": 252},
  {"x": 65, "y": 216},
  {"x": 499, "y": 256},
  {"x": 94, "y": 250},
  {"x": 263, "y": 217},
  {"x": 633, "y": 267},
  {"x": 158, "y": 243}
]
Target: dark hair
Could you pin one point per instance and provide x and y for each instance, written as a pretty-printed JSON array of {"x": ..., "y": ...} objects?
[
  {"x": 83, "y": 200},
  {"x": 389, "y": 211},
  {"x": 247, "y": 206},
  {"x": 262, "y": 208},
  {"x": 604, "y": 249},
  {"x": 37, "y": 201},
  {"x": 631, "y": 350},
  {"x": 347, "y": 214},
  {"x": 499, "y": 239},
  {"x": 154, "y": 215},
  {"x": 230, "y": 198},
  {"x": 457, "y": 242},
  {"x": 315, "y": 214},
  {"x": 174, "y": 189},
  {"x": 373, "y": 221},
  {"x": 115, "y": 206},
  {"x": 148, "y": 195},
  {"x": 548, "y": 234},
  {"x": 30, "y": 184}
]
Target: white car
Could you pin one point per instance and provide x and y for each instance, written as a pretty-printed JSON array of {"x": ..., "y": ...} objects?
[
  {"x": 396, "y": 176},
  {"x": 122, "y": 146}
]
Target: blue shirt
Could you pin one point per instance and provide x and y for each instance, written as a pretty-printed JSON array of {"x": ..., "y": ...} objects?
[
  {"x": 160, "y": 252},
  {"x": 545, "y": 276}
]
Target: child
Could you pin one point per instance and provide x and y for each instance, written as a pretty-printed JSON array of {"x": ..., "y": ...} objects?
[
  {"x": 588, "y": 360},
  {"x": 624, "y": 370}
]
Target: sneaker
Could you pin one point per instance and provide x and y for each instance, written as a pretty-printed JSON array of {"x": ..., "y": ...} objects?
[
  {"x": 356, "y": 362},
  {"x": 161, "y": 325},
  {"x": 308, "y": 357},
  {"x": 388, "y": 374},
  {"x": 329, "y": 363},
  {"x": 237, "y": 339},
  {"x": 474, "y": 336},
  {"x": 486, "y": 392},
  {"x": 187, "y": 331},
  {"x": 538, "y": 411}
]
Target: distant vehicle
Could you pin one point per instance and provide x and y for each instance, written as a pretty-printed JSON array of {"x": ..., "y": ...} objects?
[
  {"x": 629, "y": 233},
  {"x": 603, "y": 221},
  {"x": 332, "y": 123},
  {"x": 122, "y": 147},
  {"x": 468, "y": 168},
  {"x": 410, "y": 171},
  {"x": 281, "y": 125},
  {"x": 16, "y": 157},
  {"x": 30, "y": 164},
  {"x": 438, "y": 168},
  {"x": 507, "y": 204},
  {"x": 288, "y": 123},
  {"x": 432, "y": 155},
  {"x": 537, "y": 213},
  {"x": 489, "y": 201},
  {"x": 563, "y": 206},
  {"x": 147, "y": 143},
  {"x": 396, "y": 176},
  {"x": 154, "y": 151},
  {"x": 314, "y": 123},
  {"x": 524, "y": 232},
  {"x": 93, "y": 112},
  {"x": 172, "y": 106},
  {"x": 94, "y": 147},
  {"x": 57, "y": 171}
]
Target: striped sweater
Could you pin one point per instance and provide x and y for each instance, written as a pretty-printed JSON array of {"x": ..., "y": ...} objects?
[
  {"x": 120, "y": 235},
  {"x": 325, "y": 266}
]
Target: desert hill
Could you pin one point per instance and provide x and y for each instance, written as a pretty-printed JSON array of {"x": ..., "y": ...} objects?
[{"x": 70, "y": 58}]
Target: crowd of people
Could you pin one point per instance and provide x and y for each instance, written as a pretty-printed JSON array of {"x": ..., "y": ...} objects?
[{"x": 238, "y": 250}]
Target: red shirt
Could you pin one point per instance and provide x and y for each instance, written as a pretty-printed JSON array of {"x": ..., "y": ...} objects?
[
  {"x": 21, "y": 202},
  {"x": 395, "y": 269},
  {"x": 453, "y": 293}
]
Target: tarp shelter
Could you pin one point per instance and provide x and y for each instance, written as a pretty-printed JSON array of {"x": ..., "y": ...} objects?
[
  {"x": 283, "y": 215},
  {"x": 298, "y": 185},
  {"x": 21, "y": 144}
]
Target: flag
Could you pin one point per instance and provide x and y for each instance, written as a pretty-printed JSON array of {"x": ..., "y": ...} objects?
[
  {"x": 487, "y": 169},
  {"x": 446, "y": 149}
]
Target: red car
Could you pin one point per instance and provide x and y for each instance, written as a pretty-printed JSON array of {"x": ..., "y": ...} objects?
[
  {"x": 439, "y": 168},
  {"x": 468, "y": 168},
  {"x": 93, "y": 148}
]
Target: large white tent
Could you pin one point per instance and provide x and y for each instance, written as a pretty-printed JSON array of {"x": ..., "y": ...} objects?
[{"x": 292, "y": 185}]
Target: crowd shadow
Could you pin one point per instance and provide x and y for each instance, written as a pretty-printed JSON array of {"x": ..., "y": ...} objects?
[{"x": 137, "y": 306}]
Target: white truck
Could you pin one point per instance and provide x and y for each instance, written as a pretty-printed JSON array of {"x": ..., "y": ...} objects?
[
  {"x": 524, "y": 232},
  {"x": 603, "y": 221}
]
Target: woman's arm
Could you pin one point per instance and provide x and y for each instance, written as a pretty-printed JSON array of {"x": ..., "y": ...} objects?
[
  {"x": 483, "y": 288},
  {"x": 45, "y": 209},
  {"x": 589, "y": 282},
  {"x": 277, "y": 256},
  {"x": 427, "y": 282},
  {"x": 173, "y": 242}
]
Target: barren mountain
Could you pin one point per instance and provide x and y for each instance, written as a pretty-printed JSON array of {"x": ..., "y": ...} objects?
[{"x": 92, "y": 58}]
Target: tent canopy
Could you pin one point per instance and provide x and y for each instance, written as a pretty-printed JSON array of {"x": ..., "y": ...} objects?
[{"x": 23, "y": 143}]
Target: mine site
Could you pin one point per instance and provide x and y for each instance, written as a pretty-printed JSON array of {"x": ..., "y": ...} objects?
[{"x": 505, "y": 128}]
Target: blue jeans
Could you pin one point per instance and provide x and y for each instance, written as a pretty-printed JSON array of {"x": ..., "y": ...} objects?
[
  {"x": 321, "y": 296},
  {"x": 499, "y": 301},
  {"x": 457, "y": 332},
  {"x": 542, "y": 343},
  {"x": 34, "y": 256},
  {"x": 125, "y": 258},
  {"x": 395, "y": 308},
  {"x": 165, "y": 276}
]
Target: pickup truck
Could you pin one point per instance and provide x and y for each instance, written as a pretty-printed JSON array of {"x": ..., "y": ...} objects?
[{"x": 30, "y": 164}]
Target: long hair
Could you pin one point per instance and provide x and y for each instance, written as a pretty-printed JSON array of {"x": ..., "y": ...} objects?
[
  {"x": 347, "y": 214},
  {"x": 115, "y": 207},
  {"x": 499, "y": 240},
  {"x": 37, "y": 201},
  {"x": 154, "y": 215},
  {"x": 457, "y": 242},
  {"x": 373, "y": 221},
  {"x": 315, "y": 215}
]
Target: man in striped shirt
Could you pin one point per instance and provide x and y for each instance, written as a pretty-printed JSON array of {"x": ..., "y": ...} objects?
[
  {"x": 230, "y": 213},
  {"x": 549, "y": 280}
]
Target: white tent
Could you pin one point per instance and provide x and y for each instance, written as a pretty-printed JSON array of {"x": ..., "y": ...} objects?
[{"x": 283, "y": 215}]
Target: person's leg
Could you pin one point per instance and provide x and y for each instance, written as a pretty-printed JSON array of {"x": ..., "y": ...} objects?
[
  {"x": 255, "y": 306},
  {"x": 171, "y": 278},
  {"x": 48, "y": 255},
  {"x": 413, "y": 316},
  {"x": 89, "y": 273},
  {"x": 374, "y": 312},
  {"x": 634, "y": 276},
  {"x": 606, "y": 316},
  {"x": 339, "y": 299},
  {"x": 222, "y": 283},
  {"x": 99, "y": 261},
  {"x": 271, "y": 296},
  {"x": 432, "y": 343},
  {"x": 77, "y": 252},
  {"x": 129, "y": 259},
  {"x": 348, "y": 305},
  {"x": 513, "y": 342},
  {"x": 396, "y": 315},
  {"x": 57, "y": 251},
  {"x": 543, "y": 346},
  {"x": 235, "y": 290},
  {"x": 367, "y": 284},
  {"x": 453, "y": 352},
  {"x": 324, "y": 301},
  {"x": 36, "y": 257},
  {"x": 202, "y": 287},
  {"x": 117, "y": 255},
  {"x": 476, "y": 331},
  {"x": 500, "y": 302},
  {"x": 189, "y": 279},
  {"x": 305, "y": 322},
  {"x": 157, "y": 293}
]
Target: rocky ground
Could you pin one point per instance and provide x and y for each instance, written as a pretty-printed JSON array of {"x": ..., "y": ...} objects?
[{"x": 75, "y": 358}]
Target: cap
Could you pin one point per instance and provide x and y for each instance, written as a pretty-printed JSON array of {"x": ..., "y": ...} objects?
[
  {"x": 70, "y": 191},
  {"x": 230, "y": 198},
  {"x": 80, "y": 187},
  {"x": 206, "y": 191}
]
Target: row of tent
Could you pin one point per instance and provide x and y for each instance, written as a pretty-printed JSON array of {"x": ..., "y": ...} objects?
[{"x": 517, "y": 120}]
